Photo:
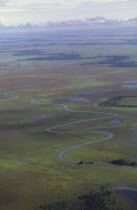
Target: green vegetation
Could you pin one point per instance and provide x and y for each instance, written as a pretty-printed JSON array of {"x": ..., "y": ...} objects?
[
  {"x": 117, "y": 102},
  {"x": 123, "y": 162},
  {"x": 101, "y": 199},
  {"x": 31, "y": 176},
  {"x": 83, "y": 162}
]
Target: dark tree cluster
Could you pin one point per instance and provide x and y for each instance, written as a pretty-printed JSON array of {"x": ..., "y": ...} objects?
[
  {"x": 84, "y": 162},
  {"x": 123, "y": 162},
  {"x": 101, "y": 199}
]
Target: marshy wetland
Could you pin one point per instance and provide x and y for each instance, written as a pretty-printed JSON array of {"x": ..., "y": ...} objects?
[{"x": 68, "y": 107}]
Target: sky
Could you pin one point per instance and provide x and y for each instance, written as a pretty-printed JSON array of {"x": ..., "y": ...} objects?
[{"x": 14, "y": 12}]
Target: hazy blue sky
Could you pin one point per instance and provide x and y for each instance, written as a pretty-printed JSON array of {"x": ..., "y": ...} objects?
[{"x": 40, "y": 11}]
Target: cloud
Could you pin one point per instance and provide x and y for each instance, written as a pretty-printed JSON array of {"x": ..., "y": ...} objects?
[
  {"x": 22, "y": 11},
  {"x": 50, "y": 5},
  {"x": 3, "y": 3},
  {"x": 51, "y": 2}
]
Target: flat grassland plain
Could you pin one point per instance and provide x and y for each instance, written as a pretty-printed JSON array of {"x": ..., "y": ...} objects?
[{"x": 57, "y": 88}]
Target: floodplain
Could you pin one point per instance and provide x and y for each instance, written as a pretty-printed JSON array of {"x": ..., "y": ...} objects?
[{"x": 60, "y": 89}]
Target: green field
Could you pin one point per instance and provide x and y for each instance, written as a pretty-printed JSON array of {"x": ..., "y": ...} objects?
[{"x": 36, "y": 81}]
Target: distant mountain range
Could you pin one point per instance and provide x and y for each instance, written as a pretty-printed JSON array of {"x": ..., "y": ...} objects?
[{"x": 95, "y": 21}]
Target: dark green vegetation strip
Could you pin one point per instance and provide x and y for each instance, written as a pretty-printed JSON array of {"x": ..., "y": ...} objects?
[
  {"x": 60, "y": 56},
  {"x": 114, "y": 102},
  {"x": 123, "y": 162},
  {"x": 115, "y": 61}
]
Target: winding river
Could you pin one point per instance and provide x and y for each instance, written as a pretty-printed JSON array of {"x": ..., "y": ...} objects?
[{"x": 61, "y": 155}]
